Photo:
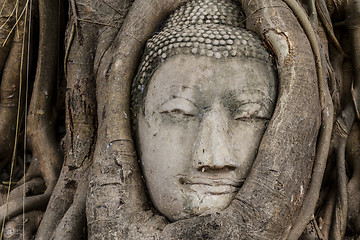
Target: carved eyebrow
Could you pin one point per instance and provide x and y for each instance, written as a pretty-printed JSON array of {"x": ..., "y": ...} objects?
[
  {"x": 263, "y": 106},
  {"x": 175, "y": 97},
  {"x": 268, "y": 98},
  {"x": 236, "y": 103}
]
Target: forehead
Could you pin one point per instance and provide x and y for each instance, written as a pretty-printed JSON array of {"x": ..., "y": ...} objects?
[{"x": 189, "y": 75}]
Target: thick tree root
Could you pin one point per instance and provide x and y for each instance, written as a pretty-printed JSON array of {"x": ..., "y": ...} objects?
[
  {"x": 353, "y": 156},
  {"x": 32, "y": 172},
  {"x": 33, "y": 187},
  {"x": 328, "y": 214},
  {"x": 342, "y": 130},
  {"x": 23, "y": 226},
  {"x": 73, "y": 224},
  {"x": 353, "y": 26},
  {"x": 307, "y": 211},
  {"x": 16, "y": 207},
  {"x": 40, "y": 129},
  {"x": 324, "y": 15},
  {"x": 10, "y": 90},
  {"x": 80, "y": 137},
  {"x": 6, "y": 23}
]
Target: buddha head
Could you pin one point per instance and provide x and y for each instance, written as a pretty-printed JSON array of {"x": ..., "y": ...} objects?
[{"x": 201, "y": 100}]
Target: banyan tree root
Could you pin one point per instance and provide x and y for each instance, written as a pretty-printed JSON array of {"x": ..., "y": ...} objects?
[
  {"x": 322, "y": 9},
  {"x": 7, "y": 21},
  {"x": 80, "y": 136},
  {"x": 23, "y": 226},
  {"x": 353, "y": 156},
  {"x": 73, "y": 224},
  {"x": 337, "y": 207},
  {"x": 13, "y": 66},
  {"x": 344, "y": 124},
  {"x": 32, "y": 187},
  {"x": 88, "y": 37},
  {"x": 40, "y": 129},
  {"x": 16, "y": 206},
  {"x": 353, "y": 26},
  {"x": 327, "y": 215},
  {"x": 32, "y": 172},
  {"x": 308, "y": 208}
]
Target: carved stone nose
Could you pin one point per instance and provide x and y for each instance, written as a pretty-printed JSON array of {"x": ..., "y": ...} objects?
[{"x": 212, "y": 148}]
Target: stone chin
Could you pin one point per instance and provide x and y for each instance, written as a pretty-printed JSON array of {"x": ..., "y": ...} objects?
[
  {"x": 198, "y": 201},
  {"x": 207, "y": 202},
  {"x": 200, "y": 197}
]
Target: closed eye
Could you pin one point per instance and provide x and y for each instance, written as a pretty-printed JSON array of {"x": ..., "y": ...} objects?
[
  {"x": 179, "y": 106},
  {"x": 252, "y": 119},
  {"x": 255, "y": 111},
  {"x": 179, "y": 111}
]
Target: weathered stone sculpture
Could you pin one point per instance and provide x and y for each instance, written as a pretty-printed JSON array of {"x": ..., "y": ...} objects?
[
  {"x": 214, "y": 165},
  {"x": 202, "y": 98}
]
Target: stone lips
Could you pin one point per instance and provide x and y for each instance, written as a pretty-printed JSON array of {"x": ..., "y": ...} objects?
[{"x": 212, "y": 28}]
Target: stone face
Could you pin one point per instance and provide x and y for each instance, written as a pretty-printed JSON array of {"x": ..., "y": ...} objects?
[{"x": 198, "y": 137}]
